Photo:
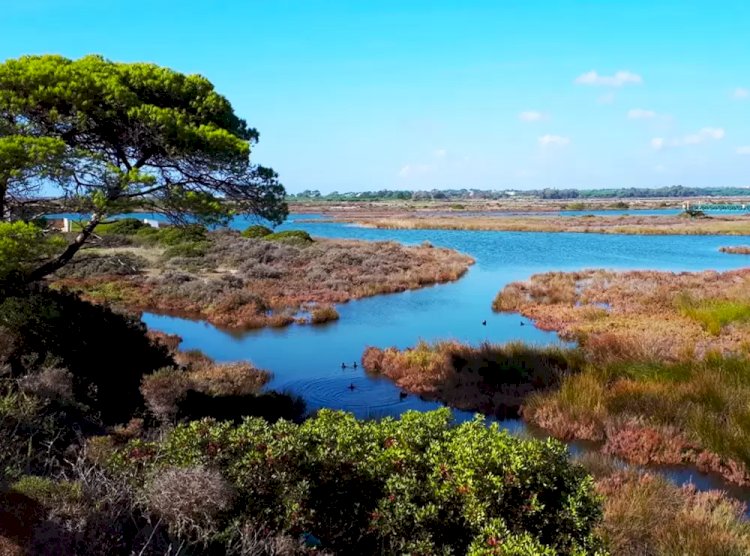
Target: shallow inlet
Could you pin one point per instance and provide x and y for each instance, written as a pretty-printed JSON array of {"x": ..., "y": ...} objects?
[{"x": 307, "y": 359}]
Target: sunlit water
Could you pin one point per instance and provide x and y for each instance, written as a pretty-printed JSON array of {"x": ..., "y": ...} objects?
[{"x": 307, "y": 360}]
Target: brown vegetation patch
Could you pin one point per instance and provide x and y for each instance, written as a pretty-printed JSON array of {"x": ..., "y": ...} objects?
[
  {"x": 239, "y": 282},
  {"x": 646, "y": 514},
  {"x": 638, "y": 314},
  {"x": 737, "y": 250},
  {"x": 493, "y": 379},
  {"x": 165, "y": 389}
]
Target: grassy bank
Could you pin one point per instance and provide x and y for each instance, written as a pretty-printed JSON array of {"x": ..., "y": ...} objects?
[
  {"x": 667, "y": 376},
  {"x": 615, "y": 224},
  {"x": 646, "y": 514},
  {"x": 249, "y": 282},
  {"x": 642, "y": 315}
]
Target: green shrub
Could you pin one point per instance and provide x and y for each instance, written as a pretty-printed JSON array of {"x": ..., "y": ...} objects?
[
  {"x": 417, "y": 485},
  {"x": 47, "y": 491},
  {"x": 188, "y": 250},
  {"x": 23, "y": 245},
  {"x": 575, "y": 206},
  {"x": 147, "y": 234},
  {"x": 174, "y": 235},
  {"x": 290, "y": 236},
  {"x": 107, "y": 353},
  {"x": 256, "y": 231},
  {"x": 88, "y": 265},
  {"x": 125, "y": 227}
]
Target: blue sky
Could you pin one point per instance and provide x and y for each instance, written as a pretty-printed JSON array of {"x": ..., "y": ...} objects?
[{"x": 418, "y": 94}]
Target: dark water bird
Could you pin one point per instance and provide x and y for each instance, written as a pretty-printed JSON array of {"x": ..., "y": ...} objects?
[
  {"x": 523, "y": 323},
  {"x": 343, "y": 365},
  {"x": 354, "y": 365},
  {"x": 351, "y": 386},
  {"x": 484, "y": 323},
  {"x": 402, "y": 395}
]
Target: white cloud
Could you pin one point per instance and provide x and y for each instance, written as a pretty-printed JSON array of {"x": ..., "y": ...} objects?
[
  {"x": 530, "y": 116},
  {"x": 411, "y": 170},
  {"x": 743, "y": 150},
  {"x": 641, "y": 114},
  {"x": 620, "y": 78},
  {"x": 740, "y": 93},
  {"x": 441, "y": 153},
  {"x": 702, "y": 136},
  {"x": 553, "y": 141}
]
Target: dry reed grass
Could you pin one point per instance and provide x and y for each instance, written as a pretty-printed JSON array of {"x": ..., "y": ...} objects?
[
  {"x": 640, "y": 314},
  {"x": 615, "y": 224},
  {"x": 646, "y": 514},
  {"x": 493, "y": 379}
]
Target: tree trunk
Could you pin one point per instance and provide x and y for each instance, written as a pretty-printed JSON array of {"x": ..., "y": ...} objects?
[
  {"x": 64, "y": 257},
  {"x": 3, "y": 192}
]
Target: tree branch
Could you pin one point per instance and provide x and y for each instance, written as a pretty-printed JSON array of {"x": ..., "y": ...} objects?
[{"x": 64, "y": 257}]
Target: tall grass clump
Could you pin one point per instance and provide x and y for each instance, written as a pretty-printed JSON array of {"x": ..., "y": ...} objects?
[
  {"x": 646, "y": 514},
  {"x": 714, "y": 314},
  {"x": 494, "y": 379},
  {"x": 323, "y": 313},
  {"x": 688, "y": 412}
]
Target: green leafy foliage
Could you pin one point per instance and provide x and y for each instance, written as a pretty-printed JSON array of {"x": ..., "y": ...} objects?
[
  {"x": 418, "y": 485},
  {"x": 127, "y": 135},
  {"x": 24, "y": 161},
  {"x": 22, "y": 245}
]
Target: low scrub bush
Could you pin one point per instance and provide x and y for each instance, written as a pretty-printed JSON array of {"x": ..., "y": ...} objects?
[
  {"x": 105, "y": 352},
  {"x": 416, "y": 485},
  {"x": 290, "y": 236},
  {"x": 123, "y": 226},
  {"x": 90, "y": 265},
  {"x": 186, "y": 250},
  {"x": 174, "y": 235},
  {"x": 256, "y": 231}
]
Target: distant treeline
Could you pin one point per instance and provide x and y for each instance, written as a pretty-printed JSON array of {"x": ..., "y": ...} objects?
[{"x": 547, "y": 193}]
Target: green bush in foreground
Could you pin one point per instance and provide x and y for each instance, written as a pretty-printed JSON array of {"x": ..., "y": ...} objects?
[{"x": 417, "y": 485}]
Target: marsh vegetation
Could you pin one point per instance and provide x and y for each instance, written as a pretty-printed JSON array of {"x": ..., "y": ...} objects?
[{"x": 236, "y": 281}]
